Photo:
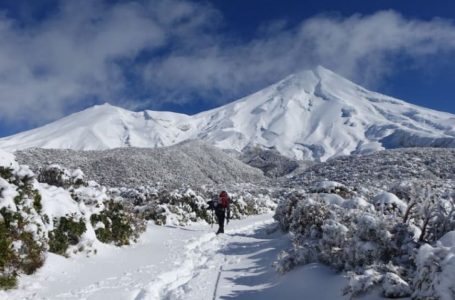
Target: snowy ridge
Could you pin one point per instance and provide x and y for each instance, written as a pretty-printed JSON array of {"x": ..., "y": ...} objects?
[{"x": 314, "y": 114}]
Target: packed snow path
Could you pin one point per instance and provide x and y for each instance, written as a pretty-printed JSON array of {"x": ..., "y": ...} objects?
[{"x": 184, "y": 263}]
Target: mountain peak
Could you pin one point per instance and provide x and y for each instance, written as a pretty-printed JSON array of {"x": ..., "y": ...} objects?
[
  {"x": 314, "y": 114},
  {"x": 316, "y": 78},
  {"x": 106, "y": 106}
]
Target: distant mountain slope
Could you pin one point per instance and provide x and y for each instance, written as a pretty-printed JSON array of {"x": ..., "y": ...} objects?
[
  {"x": 190, "y": 163},
  {"x": 270, "y": 161},
  {"x": 383, "y": 169},
  {"x": 314, "y": 114}
]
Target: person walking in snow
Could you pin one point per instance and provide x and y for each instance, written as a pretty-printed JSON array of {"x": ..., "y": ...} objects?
[{"x": 222, "y": 210}]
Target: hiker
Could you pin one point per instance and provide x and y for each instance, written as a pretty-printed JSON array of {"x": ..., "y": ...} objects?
[{"x": 222, "y": 210}]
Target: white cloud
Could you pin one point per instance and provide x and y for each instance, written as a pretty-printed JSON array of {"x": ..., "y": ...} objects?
[
  {"x": 76, "y": 53},
  {"x": 86, "y": 48},
  {"x": 362, "y": 48}
]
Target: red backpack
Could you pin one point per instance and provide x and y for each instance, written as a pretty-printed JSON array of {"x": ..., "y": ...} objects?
[{"x": 224, "y": 199}]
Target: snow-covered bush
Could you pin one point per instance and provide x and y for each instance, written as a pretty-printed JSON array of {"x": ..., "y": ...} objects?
[
  {"x": 67, "y": 232},
  {"x": 393, "y": 286},
  {"x": 286, "y": 208},
  {"x": 331, "y": 187},
  {"x": 60, "y": 176},
  {"x": 185, "y": 206},
  {"x": 38, "y": 217},
  {"x": 389, "y": 203},
  {"x": 167, "y": 207},
  {"x": 363, "y": 282},
  {"x": 22, "y": 233},
  {"x": 247, "y": 202},
  {"x": 435, "y": 274},
  {"x": 374, "y": 246},
  {"x": 115, "y": 224},
  {"x": 399, "y": 203}
]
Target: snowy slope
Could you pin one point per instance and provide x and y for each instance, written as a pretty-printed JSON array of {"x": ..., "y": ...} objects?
[
  {"x": 188, "y": 163},
  {"x": 314, "y": 114}
]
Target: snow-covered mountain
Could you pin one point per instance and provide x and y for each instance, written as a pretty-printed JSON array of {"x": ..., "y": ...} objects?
[{"x": 314, "y": 114}]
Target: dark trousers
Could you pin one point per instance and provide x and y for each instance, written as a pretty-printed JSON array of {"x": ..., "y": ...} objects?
[{"x": 220, "y": 215}]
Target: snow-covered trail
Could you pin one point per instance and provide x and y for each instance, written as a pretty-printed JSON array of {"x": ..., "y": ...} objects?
[
  {"x": 161, "y": 264},
  {"x": 184, "y": 263}
]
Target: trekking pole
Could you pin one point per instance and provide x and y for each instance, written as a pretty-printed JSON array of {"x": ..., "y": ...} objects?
[{"x": 213, "y": 219}]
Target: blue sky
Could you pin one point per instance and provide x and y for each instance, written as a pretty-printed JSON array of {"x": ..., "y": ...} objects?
[{"x": 58, "y": 56}]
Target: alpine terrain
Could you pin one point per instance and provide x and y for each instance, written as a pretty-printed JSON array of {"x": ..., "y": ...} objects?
[
  {"x": 329, "y": 191},
  {"x": 312, "y": 115}
]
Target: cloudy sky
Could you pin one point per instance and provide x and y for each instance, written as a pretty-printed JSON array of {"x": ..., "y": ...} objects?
[{"x": 61, "y": 56}]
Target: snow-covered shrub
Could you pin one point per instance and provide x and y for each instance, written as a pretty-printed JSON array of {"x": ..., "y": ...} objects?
[
  {"x": 285, "y": 209},
  {"x": 363, "y": 282},
  {"x": 308, "y": 218},
  {"x": 389, "y": 203},
  {"x": 435, "y": 274},
  {"x": 38, "y": 217},
  {"x": 59, "y": 176},
  {"x": 68, "y": 231},
  {"x": 168, "y": 207},
  {"x": 393, "y": 286},
  {"x": 365, "y": 240},
  {"x": 114, "y": 224},
  {"x": 184, "y": 206},
  {"x": 22, "y": 235},
  {"x": 284, "y": 262},
  {"x": 401, "y": 201},
  {"x": 245, "y": 203},
  {"x": 335, "y": 235},
  {"x": 331, "y": 187}
]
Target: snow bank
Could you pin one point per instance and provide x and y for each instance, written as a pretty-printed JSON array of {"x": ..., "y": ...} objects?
[{"x": 7, "y": 159}]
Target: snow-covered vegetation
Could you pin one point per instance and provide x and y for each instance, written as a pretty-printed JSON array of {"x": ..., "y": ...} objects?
[
  {"x": 62, "y": 214},
  {"x": 184, "y": 206},
  {"x": 270, "y": 161},
  {"x": 190, "y": 164},
  {"x": 387, "y": 219},
  {"x": 57, "y": 209},
  {"x": 382, "y": 170}
]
